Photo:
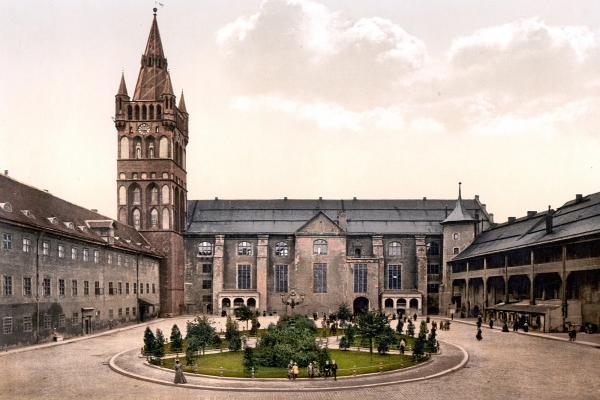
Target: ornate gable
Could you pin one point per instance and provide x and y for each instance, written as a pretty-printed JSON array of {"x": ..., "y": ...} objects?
[{"x": 320, "y": 224}]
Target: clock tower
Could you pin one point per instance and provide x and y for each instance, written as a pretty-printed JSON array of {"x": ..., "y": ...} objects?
[{"x": 151, "y": 174}]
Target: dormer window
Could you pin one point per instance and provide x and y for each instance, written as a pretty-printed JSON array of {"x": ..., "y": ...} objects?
[
  {"x": 244, "y": 249},
  {"x": 320, "y": 246},
  {"x": 53, "y": 220},
  {"x": 69, "y": 225},
  {"x": 28, "y": 213},
  {"x": 205, "y": 249},
  {"x": 82, "y": 228},
  {"x": 6, "y": 207}
]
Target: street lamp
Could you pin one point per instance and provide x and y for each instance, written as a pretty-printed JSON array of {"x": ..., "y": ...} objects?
[{"x": 292, "y": 299}]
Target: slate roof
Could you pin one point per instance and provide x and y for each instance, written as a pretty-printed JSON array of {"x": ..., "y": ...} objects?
[
  {"x": 572, "y": 220},
  {"x": 53, "y": 214},
  {"x": 459, "y": 214},
  {"x": 287, "y": 216}
]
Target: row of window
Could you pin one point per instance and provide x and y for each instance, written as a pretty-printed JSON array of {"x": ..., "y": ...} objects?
[
  {"x": 319, "y": 247},
  {"x": 8, "y": 324},
  {"x": 61, "y": 287},
  {"x": 62, "y": 252}
]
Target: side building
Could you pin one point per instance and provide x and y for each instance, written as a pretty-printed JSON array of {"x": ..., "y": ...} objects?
[
  {"x": 543, "y": 269},
  {"x": 369, "y": 254},
  {"x": 66, "y": 270}
]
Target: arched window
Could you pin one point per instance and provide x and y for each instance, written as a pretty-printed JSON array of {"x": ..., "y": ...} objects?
[
  {"x": 165, "y": 194},
  {"x": 136, "y": 197},
  {"x": 205, "y": 249},
  {"x": 122, "y": 175},
  {"x": 433, "y": 249},
  {"x": 282, "y": 249},
  {"x": 136, "y": 218},
  {"x": 122, "y": 196},
  {"x": 138, "y": 149},
  {"x": 124, "y": 148},
  {"x": 158, "y": 112},
  {"x": 163, "y": 148},
  {"x": 137, "y": 112},
  {"x": 166, "y": 218},
  {"x": 154, "y": 218},
  {"x": 123, "y": 216},
  {"x": 151, "y": 111},
  {"x": 244, "y": 249},
  {"x": 144, "y": 114},
  {"x": 455, "y": 236},
  {"x": 154, "y": 195},
  {"x": 394, "y": 249},
  {"x": 151, "y": 150},
  {"x": 129, "y": 112},
  {"x": 320, "y": 246}
]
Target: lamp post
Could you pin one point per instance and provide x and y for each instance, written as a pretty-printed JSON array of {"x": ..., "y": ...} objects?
[{"x": 292, "y": 299}]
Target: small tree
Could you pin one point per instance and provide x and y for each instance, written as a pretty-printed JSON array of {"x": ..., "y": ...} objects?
[
  {"x": 344, "y": 343},
  {"x": 249, "y": 360},
  {"x": 410, "y": 331},
  {"x": 176, "y": 339},
  {"x": 370, "y": 325},
  {"x": 419, "y": 348},
  {"x": 149, "y": 341},
  {"x": 159, "y": 344},
  {"x": 255, "y": 325},
  {"x": 400, "y": 326},
  {"x": 423, "y": 331},
  {"x": 350, "y": 335},
  {"x": 344, "y": 314},
  {"x": 386, "y": 340},
  {"x": 232, "y": 334},
  {"x": 244, "y": 313},
  {"x": 200, "y": 334},
  {"x": 432, "y": 341}
]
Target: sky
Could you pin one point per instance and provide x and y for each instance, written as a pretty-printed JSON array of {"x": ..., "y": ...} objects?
[{"x": 374, "y": 99}]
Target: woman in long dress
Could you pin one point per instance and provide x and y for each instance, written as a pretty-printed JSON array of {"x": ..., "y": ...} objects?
[{"x": 179, "y": 377}]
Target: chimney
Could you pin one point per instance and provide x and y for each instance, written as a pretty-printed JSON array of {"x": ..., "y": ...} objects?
[
  {"x": 511, "y": 219},
  {"x": 5, "y": 172},
  {"x": 531, "y": 213},
  {"x": 285, "y": 198},
  {"x": 94, "y": 210},
  {"x": 342, "y": 220},
  {"x": 424, "y": 198},
  {"x": 320, "y": 198},
  {"x": 216, "y": 198},
  {"x": 354, "y": 198},
  {"x": 491, "y": 215},
  {"x": 476, "y": 197},
  {"x": 549, "y": 217},
  {"x": 578, "y": 198}
]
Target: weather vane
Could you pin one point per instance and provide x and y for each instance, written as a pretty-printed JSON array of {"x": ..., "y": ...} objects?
[{"x": 156, "y": 4}]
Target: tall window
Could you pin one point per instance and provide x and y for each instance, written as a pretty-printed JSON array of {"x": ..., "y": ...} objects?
[
  {"x": 320, "y": 278},
  {"x": 96, "y": 256},
  {"x": 137, "y": 199},
  {"x": 392, "y": 277},
  {"x": 433, "y": 249},
  {"x": 97, "y": 288},
  {"x": 163, "y": 147},
  {"x": 165, "y": 194},
  {"x": 120, "y": 287},
  {"x": 320, "y": 246},
  {"x": 73, "y": 253},
  {"x": 205, "y": 249},
  {"x": 7, "y": 325},
  {"x": 166, "y": 218},
  {"x": 61, "y": 287},
  {"x": 136, "y": 219},
  {"x": 360, "y": 278},
  {"x": 281, "y": 249},
  {"x": 207, "y": 268},
  {"x": 27, "y": 286},
  {"x": 46, "y": 291},
  {"x": 244, "y": 249},
  {"x": 122, "y": 195},
  {"x": 74, "y": 287},
  {"x": 26, "y": 245},
  {"x": 6, "y": 241},
  {"x": 110, "y": 289},
  {"x": 45, "y": 248},
  {"x": 154, "y": 218},
  {"x": 124, "y": 147},
  {"x": 86, "y": 288},
  {"x": 154, "y": 195},
  {"x": 61, "y": 251},
  {"x": 8, "y": 286},
  {"x": 394, "y": 249},
  {"x": 86, "y": 255},
  {"x": 281, "y": 278},
  {"x": 27, "y": 324},
  {"x": 243, "y": 277}
]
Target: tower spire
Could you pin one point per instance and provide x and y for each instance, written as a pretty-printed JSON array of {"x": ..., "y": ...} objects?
[
  {"x": 122, "y": 87},
  {"x": 182, "y": 104},
  {"x": 459, "y": 191},
  {"x": 459, "y": 214}
]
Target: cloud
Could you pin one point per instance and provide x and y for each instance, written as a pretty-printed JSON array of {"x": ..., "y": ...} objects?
[{"x": 299, "y": 58}]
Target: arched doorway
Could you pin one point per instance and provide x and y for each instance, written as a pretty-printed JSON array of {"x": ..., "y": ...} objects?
[
  {"x": 389, "y": 303},
  {"x": 238, "y": 302},
  {"x": 414, "y": 304},
  {"x": 360, "y": 305},
  {"x": 251, "y": 302}
]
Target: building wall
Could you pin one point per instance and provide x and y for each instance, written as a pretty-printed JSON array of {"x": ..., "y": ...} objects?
[{"x": 63, "y": 312}]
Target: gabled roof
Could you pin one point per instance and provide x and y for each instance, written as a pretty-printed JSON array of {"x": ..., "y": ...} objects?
[
  {"x": 459, "y": 214},
  {"x": 38, "y": 209},
  {"x": 153, "y": 80},
  {"x": 320, "y": 216},
  {"x": 571, "y": 221},
  {"x": 287, "y": 216}
]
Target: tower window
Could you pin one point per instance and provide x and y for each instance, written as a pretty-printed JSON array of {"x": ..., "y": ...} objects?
[
  {"x": 158, "y": 112},
  {"x": 165, "y": 194},
  {"x": 154, "y": 218},
  {"x": 320, "y": 246},
  {"x": 433, "y": 249},
  {"x": 455, "y": 236},
  {"x": 137, "y": 198},
  {"x": 205, "y": 249},
  {"x": 144, "y": 114},
  {"x": 166, "y": 218},
  {"x": 137, "y": 112},
  {"x": 456, "y": 250},
  {"x": 124, "y": 147},
  {"x": 154, "y": 195},
  {"x": 281, "y": 249},
  {"x": 129, "y": 112},
  {"x": 138, "y": 150},
  {"x": 244, "y": 249},
  {"x": 136, "y": 219},
  {"x": 151, "y": 111},
  {"x": 394, "y": 249},
  {"x": 163, "y": 147}
]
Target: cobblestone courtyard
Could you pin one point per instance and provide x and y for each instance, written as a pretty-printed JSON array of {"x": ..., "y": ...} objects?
[{"x": 503, "y": 365}]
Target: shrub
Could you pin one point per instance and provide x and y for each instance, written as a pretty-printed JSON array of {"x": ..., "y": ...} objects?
[
  {"x": 232, "y": 334},
  {"x": 410, "y": 331},
  {"x": 386, "y": 340},
  {"x": 159, "y": 344},
  {"x": 149, "y": 341},
  {"x": 400, "y": 326},
  {"x": 200, "y": 334},
  {"x": 176, "y": 339},
  {"x": 344, "y": 343}
]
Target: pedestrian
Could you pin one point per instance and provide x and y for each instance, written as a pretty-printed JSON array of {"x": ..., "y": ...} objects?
[
  {"x": 290, "y": 369},
  {"x": 295, "y": 370},
  {"x": 491, "y": 323},
  {"x": 415, "y": 316},
  {"x": 179, "y": 377},
  {"x": 334, "y": 368},
  {"x": 311, "y": 370},
  {"x": 478, "y": 336},
  {"x": 433, "y": 324},
  {"x": 525, "y": 327},
  {"x": 505, "y": 327},
  {"x": 478, "y": 323},
  {"x": 326, "y": 369},
  {"x": 447, "y": 325},
  {"x": 402, "y": 346},
  {"x": 572, "y": 334},
  {"x": 516, "y": 326}
]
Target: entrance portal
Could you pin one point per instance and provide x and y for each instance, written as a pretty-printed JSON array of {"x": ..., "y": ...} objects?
[{"x": 360, "y": 305}]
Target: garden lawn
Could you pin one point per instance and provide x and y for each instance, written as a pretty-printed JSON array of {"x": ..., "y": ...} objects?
[{"x": 231, "y": 362}]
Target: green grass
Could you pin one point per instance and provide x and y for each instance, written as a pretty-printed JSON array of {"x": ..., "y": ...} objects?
[{"x": 231, "y": 362}]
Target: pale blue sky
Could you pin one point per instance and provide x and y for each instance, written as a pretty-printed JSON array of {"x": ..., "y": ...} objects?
[{"x": 375, "y": 99}]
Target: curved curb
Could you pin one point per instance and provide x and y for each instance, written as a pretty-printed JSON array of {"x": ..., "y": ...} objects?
[{"x": 121, "y": 371}]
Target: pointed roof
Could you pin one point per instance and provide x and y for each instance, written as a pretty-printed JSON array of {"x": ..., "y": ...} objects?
[
  {"x": 153, "y": 79},
  {"x": 122, "y": 87},
  {"x": 182, "y": 104},
  {"x": 459, "y": 214}
]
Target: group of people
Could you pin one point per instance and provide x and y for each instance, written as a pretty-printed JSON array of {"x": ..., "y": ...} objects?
[
  {"x": 445, "y": 325},
  {"x": 313, "y": 370}
]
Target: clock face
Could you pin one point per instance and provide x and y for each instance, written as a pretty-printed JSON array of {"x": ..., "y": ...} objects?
[{"x": 144, "y": 129}]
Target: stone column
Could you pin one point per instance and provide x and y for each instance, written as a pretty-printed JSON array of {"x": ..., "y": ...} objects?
[
  {"x": 378, "y": 253},
  {"x": 505, "y": 279},
  {"x": 421, "y": 250},
  {"x": 262, "y": 261},
  {"x": 485, "y": 290},
  {"x": 563, "y": 286},
  {"x": 531, "y": 281},
  {"x": 218, "y": 272},
  {"x": 467, "y": 290}
]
